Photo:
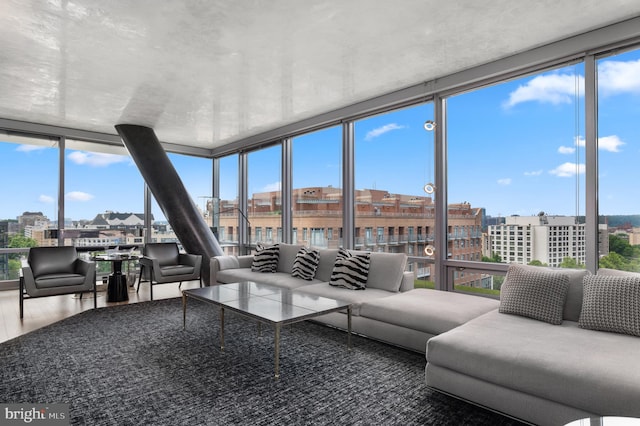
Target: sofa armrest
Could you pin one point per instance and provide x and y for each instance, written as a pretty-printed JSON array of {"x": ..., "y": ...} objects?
[{"x": 407, "y": 281}]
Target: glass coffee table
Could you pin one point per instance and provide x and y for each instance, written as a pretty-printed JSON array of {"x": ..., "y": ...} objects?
[{"x": 268, "y": 304}]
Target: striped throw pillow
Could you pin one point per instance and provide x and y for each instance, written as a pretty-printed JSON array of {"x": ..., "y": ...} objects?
[
  {"x": 266, "y": 258},
  {"x": 350, "y": 270},
  {"x": 306, "y": 263}
]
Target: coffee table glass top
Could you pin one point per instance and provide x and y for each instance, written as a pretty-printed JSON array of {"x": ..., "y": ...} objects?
[{"x": 267, "y": 302}]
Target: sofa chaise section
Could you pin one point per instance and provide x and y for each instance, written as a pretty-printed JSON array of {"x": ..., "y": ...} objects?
[
  {"x": 536, "y": 371},
  {"x": 413, "y": 317}
]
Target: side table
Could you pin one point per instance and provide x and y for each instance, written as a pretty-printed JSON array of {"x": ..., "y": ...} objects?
[{"x": 117, "y": 290}]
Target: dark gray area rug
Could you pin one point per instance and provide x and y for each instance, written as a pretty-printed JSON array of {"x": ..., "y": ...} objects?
[{"x": 133, "y": 364}]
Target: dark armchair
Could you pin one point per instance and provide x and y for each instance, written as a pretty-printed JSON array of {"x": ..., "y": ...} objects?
[
  {"x": 165, "y": 264},
  {"x": 52, "y": 271}
]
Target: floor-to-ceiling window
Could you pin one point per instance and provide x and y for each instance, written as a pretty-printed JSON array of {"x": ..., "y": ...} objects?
[
  {"x": 29, "y": 206},
  {"x": 515, "y": 172},
  {"x": 226, "y": 209},
  {"x": 317, "y": 188},
  {"x": 103, "y": 196},
  {"x": 394, "y": 155},
  {"x": 196, "y": 176},
  {"x": 618, "y": 78},
  {"x": 264, "y": 186}
]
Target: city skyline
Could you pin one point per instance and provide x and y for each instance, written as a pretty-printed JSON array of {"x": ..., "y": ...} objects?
[{"x": 513, "y": 148}]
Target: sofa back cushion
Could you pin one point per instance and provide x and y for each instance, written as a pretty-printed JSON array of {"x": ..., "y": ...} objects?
[
  {"x": 287, "y": 256},
  {"x": 386, "y": 271},
  {"x": 325, "y": 266},
  {"x": 573, "y": 304}
]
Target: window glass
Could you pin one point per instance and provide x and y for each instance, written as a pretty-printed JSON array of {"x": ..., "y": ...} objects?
[
  {"x": 104, "y": 204},
  {"x": 265, "y": 194},
  {"x": 393, "y": 163},
  {"x": 225, "y": 218},
  {"x": 29, "y": 206},
  {"x": 196, "y": 176},
  {"x": 516, "y": 172},
  {"x": 618, "y": 150},
  {"x": 317, "y": 186}
]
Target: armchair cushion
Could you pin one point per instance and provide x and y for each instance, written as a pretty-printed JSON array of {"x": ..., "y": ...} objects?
[
  {"x": 52, "y": 260},
  {"x": 164, "y": 253}
]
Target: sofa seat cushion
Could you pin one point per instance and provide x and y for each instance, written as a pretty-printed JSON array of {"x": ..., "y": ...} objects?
[
  {"x": 430, "y": 311},
  {"x": 281, "y": 279},
  {"x": 547, "y": 361},
  {"x": 356, "y": 298}
]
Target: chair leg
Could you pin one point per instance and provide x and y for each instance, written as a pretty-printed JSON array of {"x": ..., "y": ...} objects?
[
  {"x": 21, "y": 297},
  {"x": 151, "y": 287},
  {"x": 180, "y": 285},
  {"x": 140, "y": 277}
]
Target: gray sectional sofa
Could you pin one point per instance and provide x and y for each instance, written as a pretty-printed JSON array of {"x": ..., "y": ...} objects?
[
  {"x": 390, "y": 309},
  {"x": 543, "y": 373}
]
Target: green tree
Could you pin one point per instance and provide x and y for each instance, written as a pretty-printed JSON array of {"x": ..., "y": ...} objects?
[
  {"x": 495, "y": 258},
  {"x": 613, "y": 261},
  {"x": 571, "y": 263},
  {"x": 20, "y": 241},
  {"x": 536, "y": 262},
  {"x": 621, "y": 246}
]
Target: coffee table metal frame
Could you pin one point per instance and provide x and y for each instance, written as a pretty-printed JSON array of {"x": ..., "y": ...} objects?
[{"x": 268, "y": 304}]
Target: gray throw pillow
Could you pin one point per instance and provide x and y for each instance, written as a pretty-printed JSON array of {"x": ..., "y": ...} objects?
[
  {"x": 265, "y": 259},
  {"x": 534, "y": 294},
  {"x": 305, "y": 264},
  {"x": 350, "y": 270},
  {"x": 611, "y": 303}
]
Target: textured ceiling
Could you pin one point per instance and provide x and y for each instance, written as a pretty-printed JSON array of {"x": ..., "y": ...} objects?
[{"x": 204, "y": 73}]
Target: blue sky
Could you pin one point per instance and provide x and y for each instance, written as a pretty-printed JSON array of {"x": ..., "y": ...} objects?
[{"x": 514, "y": 148}]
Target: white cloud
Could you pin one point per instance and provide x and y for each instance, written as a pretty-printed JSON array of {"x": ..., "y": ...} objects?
[
  {"x": 549, "y": 88},
  {"x": 619, "y": 77},
  {"x": 78, "y": 196},
  {"x": 29, "y": 148},
  {"x": 533, "y": 173},
  {"x": 614, "y": 77},
  {"x": 504, "y": 181},
  {"x": 566, "y": 150},
  {"x": 45, "y": 199},
  {"x": 96, "y": 159},
  {"x": 568, "y": 170},
  {"x": 610, "y": 143},
  {"x": 382, "y": 130},
  {"x": 606, "y": 143},
  {"x": 276, "y": 186}
]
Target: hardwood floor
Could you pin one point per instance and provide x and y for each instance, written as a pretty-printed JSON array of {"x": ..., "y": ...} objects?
[{"x": 47, "y": 310}]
